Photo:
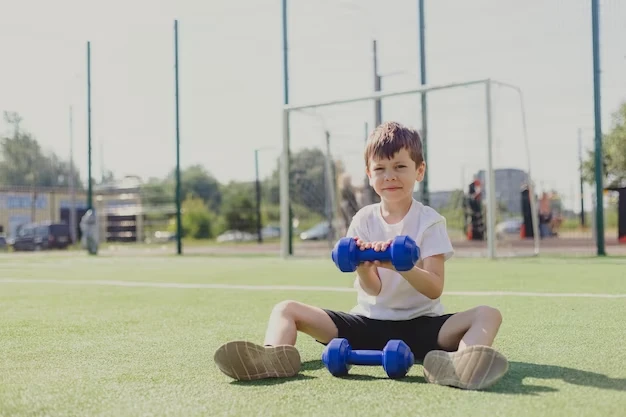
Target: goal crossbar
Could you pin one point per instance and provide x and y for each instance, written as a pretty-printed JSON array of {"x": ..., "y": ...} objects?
[
  {"x": 383, "y": 94},
  {"x": 285, "y": 244}
]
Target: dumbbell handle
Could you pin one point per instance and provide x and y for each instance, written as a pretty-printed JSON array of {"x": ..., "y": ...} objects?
[
  {"x": 372, "y": 255},
  {"x": 366, "y": 357}
]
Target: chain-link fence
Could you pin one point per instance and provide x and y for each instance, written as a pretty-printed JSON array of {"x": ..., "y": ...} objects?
[{"x": 228, "y": 134}]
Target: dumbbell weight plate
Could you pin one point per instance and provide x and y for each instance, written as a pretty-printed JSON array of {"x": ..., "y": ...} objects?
[
  {"x": 397, "y": 359},
  {"x": 406, "y": 251},
  {"x": 332, "y": 357},
  {"x": 344, "y": 254}
]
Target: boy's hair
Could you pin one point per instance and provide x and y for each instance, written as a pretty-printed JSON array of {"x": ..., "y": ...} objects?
[{"x": 388, "y": 138}]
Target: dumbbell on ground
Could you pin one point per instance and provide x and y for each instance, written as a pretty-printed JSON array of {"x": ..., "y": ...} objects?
[
  {"x": 396, "y": 358},
  {"x": 403, "y": 254}
]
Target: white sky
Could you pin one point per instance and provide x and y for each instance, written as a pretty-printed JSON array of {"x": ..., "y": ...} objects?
[{"x": 232, "y": 87}]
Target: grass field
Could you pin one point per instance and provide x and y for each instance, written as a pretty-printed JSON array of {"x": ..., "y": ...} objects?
[{"x": 123, "y": 336}]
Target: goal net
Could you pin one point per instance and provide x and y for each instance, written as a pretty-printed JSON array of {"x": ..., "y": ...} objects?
[{"x": 477, "y": 148}]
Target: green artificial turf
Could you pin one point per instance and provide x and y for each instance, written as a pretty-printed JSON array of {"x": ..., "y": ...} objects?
[{"x": 81, "y": 350}]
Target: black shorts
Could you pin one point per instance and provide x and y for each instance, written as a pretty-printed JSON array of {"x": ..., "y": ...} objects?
[{"x": 363, "y": 333}]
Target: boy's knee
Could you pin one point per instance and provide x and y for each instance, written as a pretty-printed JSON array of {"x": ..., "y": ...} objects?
[
  {"x": 286, "y": 308},
  {"x": 487, "y": 313}
]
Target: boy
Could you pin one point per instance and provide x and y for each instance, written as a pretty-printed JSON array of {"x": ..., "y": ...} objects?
[{"x": 455, "y": 348}]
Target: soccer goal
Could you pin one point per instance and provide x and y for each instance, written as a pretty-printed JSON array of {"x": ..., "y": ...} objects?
[{"x": 477, "y": 157}]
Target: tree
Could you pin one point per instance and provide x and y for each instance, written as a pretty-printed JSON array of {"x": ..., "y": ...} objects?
[
  {"x": 614, "y": 153},
  {"x": 157, "y": 192},
  {"x": 13, "y": 119},
  {"x": 197, "y": 219},
  {"x": 23, "y": 162},
  {"x": 195, "y": 182},
  {"x": 238, "y": 207},
  {"x": 107, "y": 177},
  {"x": 307, "y": 181}
]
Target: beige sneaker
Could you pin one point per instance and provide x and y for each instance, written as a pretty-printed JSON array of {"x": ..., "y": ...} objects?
[
  {"x": 245, "y": 361},
  {"x": 473, "y": 368}
]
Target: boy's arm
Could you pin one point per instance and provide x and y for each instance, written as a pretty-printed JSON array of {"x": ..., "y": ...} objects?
[
  {"x": 427, "y": 277},
  {"x": 369, "y": 279},
  {"x": 367, "y": 271}
]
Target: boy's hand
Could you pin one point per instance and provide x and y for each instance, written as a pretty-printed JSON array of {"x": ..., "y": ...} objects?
[{"x": 378, "y": 247}]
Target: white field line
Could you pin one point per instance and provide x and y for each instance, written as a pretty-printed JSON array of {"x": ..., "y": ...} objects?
[{"x": 286, "y": 288}]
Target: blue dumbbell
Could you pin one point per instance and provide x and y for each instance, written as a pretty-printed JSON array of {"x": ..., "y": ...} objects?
[
  {"x": 396, "y": 358},
  {"x": 403, "y": 254}
]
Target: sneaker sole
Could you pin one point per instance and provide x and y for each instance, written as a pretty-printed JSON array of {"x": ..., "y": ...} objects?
[
  {"x": 473, "y": 368},
  {"x": 246, "y": 361}
]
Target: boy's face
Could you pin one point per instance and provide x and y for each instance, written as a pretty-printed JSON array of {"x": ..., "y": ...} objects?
[{"x": 393, "y": 179}]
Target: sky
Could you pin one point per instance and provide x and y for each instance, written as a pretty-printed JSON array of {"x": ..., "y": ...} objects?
[{"x": 231, "y": 81}]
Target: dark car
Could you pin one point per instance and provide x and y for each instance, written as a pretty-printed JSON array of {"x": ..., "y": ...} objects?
[{"x": 42, "y": 236}]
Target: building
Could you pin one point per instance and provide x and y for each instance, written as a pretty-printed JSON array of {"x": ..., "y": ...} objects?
[
  {"x": 121, "y": 214},
  {"x": 509, "y": 182},
  {"x": 19, "y": 205},
  {"x": 437, "y": 199}
]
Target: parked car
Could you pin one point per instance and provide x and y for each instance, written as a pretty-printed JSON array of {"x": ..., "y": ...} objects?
[
  {"x": 42, "y": 236},
  {"x": 270, "y": 232},
  {"x": 4, "y": 245},
  {"x": 318, "y": 232},
  {"x": 235, "y": 236},
  {"x": 509, "y": 228}
]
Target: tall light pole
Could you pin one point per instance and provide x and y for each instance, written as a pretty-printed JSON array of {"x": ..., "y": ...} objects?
[
  {"x": 70, "y": 182},
  {"x": 287, "y": 154},
  {"x": 424, "y": 192},
  {"x": 257, "y": 187},
  {"x": 179, "y": 221},
  {"x": 89, "y": 181},
  {"x": 595, "y": 23},
  {"x": 580, "y": 174}
]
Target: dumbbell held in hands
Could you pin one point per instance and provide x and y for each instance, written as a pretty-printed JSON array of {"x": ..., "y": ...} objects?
[
  {"x": 396, "y": 358},
  {"x": 403, "y": 253}
]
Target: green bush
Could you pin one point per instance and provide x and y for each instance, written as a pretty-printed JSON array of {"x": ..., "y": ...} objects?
[
  {"x": 238, "y": 210},
  {"x": 198, "y": 220}
]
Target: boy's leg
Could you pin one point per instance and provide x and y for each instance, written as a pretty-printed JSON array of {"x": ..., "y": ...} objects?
[
  {"x": 477, "y": 326},
  {"x": 278, "y": 357},
  {"x": 466, "y": 359},
  {"x": 290, "y": 317}
]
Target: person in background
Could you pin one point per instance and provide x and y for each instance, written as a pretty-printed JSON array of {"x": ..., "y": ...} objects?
[{"x": 347, "y": 200}]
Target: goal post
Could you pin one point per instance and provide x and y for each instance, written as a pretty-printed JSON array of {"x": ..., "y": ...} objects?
[{"x": 286, "y": 244}]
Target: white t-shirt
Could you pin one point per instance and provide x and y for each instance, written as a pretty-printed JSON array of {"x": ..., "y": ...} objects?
[{"x": 398, "y": 300}]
